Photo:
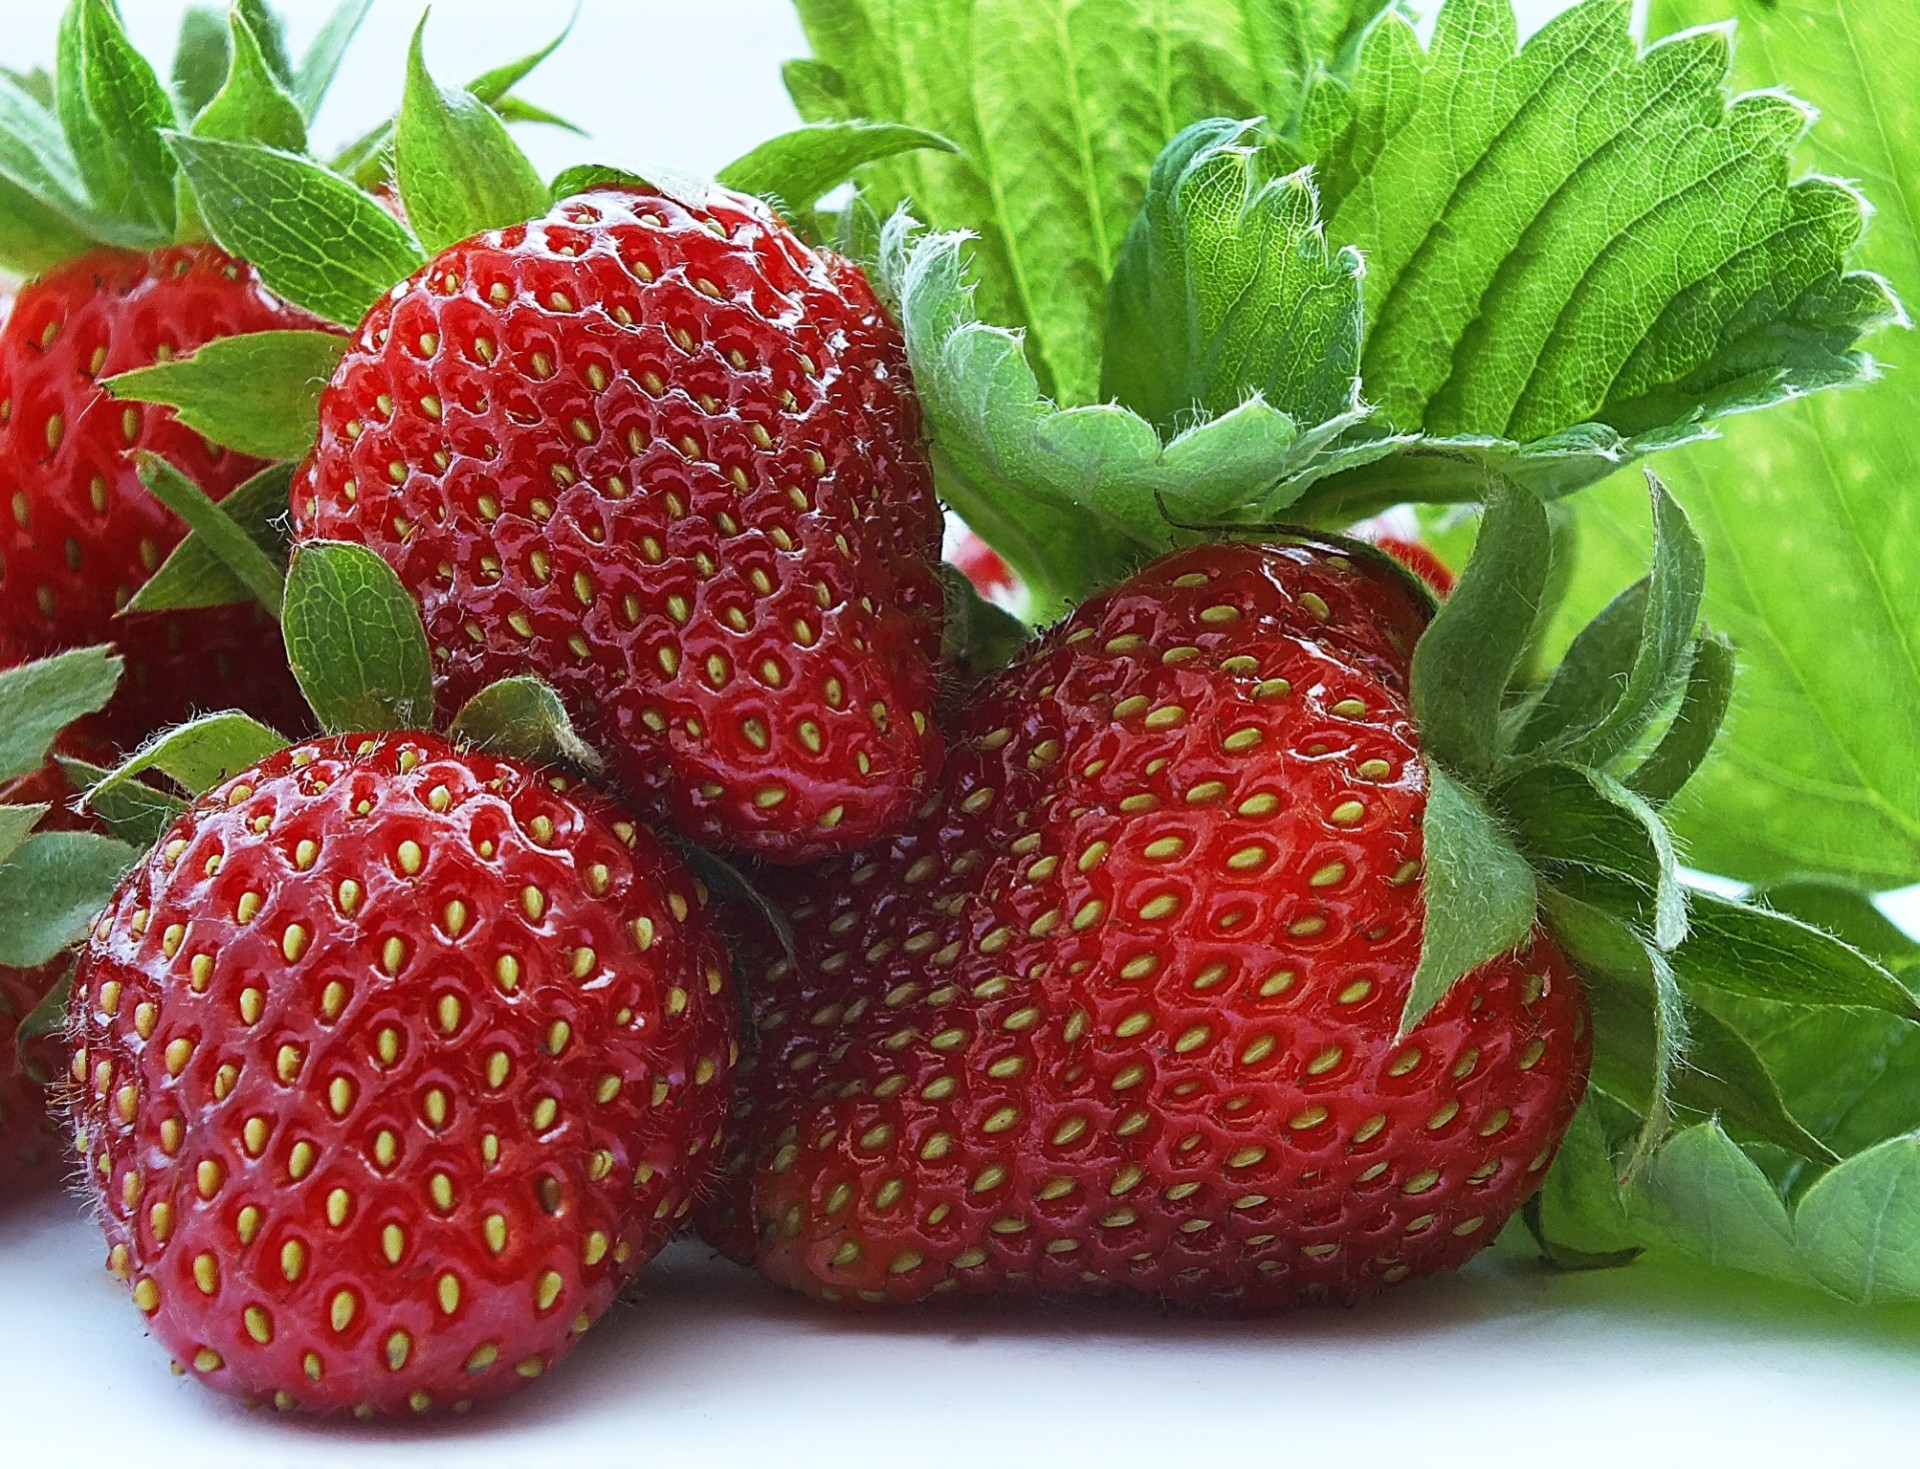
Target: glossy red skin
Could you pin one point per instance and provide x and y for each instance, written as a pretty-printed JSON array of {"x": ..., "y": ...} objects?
[
  {"x": 81, "y": 534},
  {"x": 1147, "y": 1096},
  {"x": 1418, "y": 558},
  {"x": 714, "y": 551},
  {"x": 981, "y": 565},
  {"x": 627, "y": 1160}
]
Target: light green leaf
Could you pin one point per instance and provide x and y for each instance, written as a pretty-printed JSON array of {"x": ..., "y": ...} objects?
[
  {"x": 524, "y": 718},
  {"x": 1702, "y": 1194},
  {"x": 270, "y": 35},
  {"x": 1807, "y": 511},
  {"x": 1479, "y": 893},
  {"x": 43, "y": 218},
  {"x": 315, "y": 239},
  {"x": 131, "y": 810},
  {"x": 39, "y": 699},
  {"x": 460, "y": 172},
  {"x": 818, "y": 91},
  {"x": 355, "y": 640},
  {"x": 329, "y": 46},
  {"x": 51, "y": 888},
  {"x": 798, "y": 167},
  {"x": 258, "y": 393},
  {"x": 193, "y": 575},
  {"x": 201, "y": 59},
  {"x": 252, "y": 106},
  {"x": 218, "y": 533},
  {"x": 196, "y": 756},
  {"x": 1225, "y": 290},
  {"x": 113, "y": 110},
  {"x": 1747, "y": 950}
]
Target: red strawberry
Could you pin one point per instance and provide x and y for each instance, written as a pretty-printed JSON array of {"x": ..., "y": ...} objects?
[
  {"x": 1120, "y": 1012},
  {"x": 393, "y": 1062},
  {"x": 80, "y": 534},
  {"x": 1418, "y": 558},
  {"x": 666, "y": 456},
  {"x": 981, "y": 565}
]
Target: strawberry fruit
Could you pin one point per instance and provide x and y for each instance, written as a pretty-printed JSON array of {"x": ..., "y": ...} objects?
[{"x": 392, "y": 1063}]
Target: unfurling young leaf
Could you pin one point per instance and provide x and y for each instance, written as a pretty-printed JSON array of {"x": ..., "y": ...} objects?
[
  {"x": 193, "y": 575},
  {"x": 258, "y": 393},
  {"x": 219, "y": 534},
  {"x": 355, "y": 640},
  {"x": 38, "y": 700},
  {"x": 524, "y": 718}
]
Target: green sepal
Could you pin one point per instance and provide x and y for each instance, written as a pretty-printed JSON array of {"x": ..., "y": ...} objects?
[
  {"x": 50, "y": 890},
  {"x": 41, "y": 193},
  {"x": 518, "y": 109},
  {"x": 1689, "y": 738},
  {"x": 131, "y": 810},
  {"x": 459, "y": 170},
  {"x": 1754, "y": 951},
  {"x": 194, "y": 575},
  {"x": 114, "y": 112},
  {"x": 322, "y": 60},
  {"x": 977, "y": 639},
  {"x": 1849, "y": 915},
  {"x": 219, "y": 534},
  {"x": 819, "y": 91},
  {"x": 258, "y": 393},
  {"x": 583, "y": 176},
  {"x": 797, "y": 168},
  {"x": 355, "y": 640},
  {"x": 15, "y": 822},
  {"x": 39, "y": 699},
  {"x": 1568, "y": 1257},
  {"x": 523, "y": 718},
  {"x": 252, "y": 105},
  {"x": 196, "y": 756},
  {"x": 201, "y": 58}
]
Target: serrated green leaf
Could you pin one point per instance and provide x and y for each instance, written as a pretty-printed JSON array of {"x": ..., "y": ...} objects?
[
  {"x": 193, "y": 575},
  {"x": 1225, "y": 289},
  {"x": 114, "y": 111},
  {"x": 322, "y": 61},
  {"x": 1702, "y": 1194},
  {"x": 15, "y": 823},
  {"x": 258, "y": 393},
  {"x": 1695, "y": 727},
  {"x": 1747, "y": 950},
  {"x": 222, "y": 538},
  {"x": 315, "y": 239},
  {"x": 459, "y": 171},
  {"x": 1479, "y": 894},
  {"x": 524, "y": 718},
  {"x": 131, "y": 810},
  {"x": 798, "y": 167},
  {"x": 50, "y": 890},
  {"x": 196, "y": 756},
  {"x": 1468, "y": 656},
  {"x": 355, "y": 640},
  {"x": 39, "y": 699},
  {"x": 200, "y": 59},
  {"x": 252, "y": 106}
]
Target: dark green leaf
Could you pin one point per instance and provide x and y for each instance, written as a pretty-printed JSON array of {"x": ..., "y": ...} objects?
[
  {"x": 114, "y": 111},
  {"x": 196, "y": 756},
  {"x": 52, "y": 888},
  {"x": 201, "y": 59},
  {"x": 1468, "y": 655},
  {"x": 1590, "y": 677},
  {"x": 1770, "y": 956},
  {"x": 222, "y": 538},
  {"x": 258, "y": 393},
  {"x": 193, "y": 575},
  {"x": 524, "y": 718},
  {"x": 459, "y": 171},
  {"x": 15, "y": 823},
  {"x": 315, "y": 239},
  {"x": 49, "y": 1018},
  {"x": 132, "y": 810},
  {"x": 355, "y": 640},
  {"x": 1479, "y": 893},
  {"x": 798, "y": 167},
  {"x": 252, "y": 106},
  {"x": 1696, "y": 725},
  {"x": 1225, "y": 289},
  {"x": 322, "y": 61},
  {"x": 978, "y": 638},
  {"x": 38, "y": 700}
]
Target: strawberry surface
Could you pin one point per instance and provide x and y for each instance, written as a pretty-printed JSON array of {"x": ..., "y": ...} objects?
[
  {"x": 392, "y": 1063},
  {"x": 667, "y": 457},
  {"x": 1121, "y": 1010},
  {"x": 80, "y": 534}
]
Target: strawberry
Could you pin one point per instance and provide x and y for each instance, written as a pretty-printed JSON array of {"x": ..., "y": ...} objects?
[
  {"x": 393, "y": 1062},
  {"x": 1121, "y": 1010},
  {"x": 665, "y": 455},
  {"x": 81, "y": 534},
  {"x": 984, "y": 568}
]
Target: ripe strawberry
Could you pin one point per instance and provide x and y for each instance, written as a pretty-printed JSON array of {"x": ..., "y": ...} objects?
[
  {"x": 1120, "y": 1012},
  {"x": 666, "y": 456},
  {"x": 981, "y": 565},
  {"x": 81, "y": 534},
  {"x": 393, "y": 1062}
]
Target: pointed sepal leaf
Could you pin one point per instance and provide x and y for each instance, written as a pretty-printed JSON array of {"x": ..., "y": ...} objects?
[
  {"x": 524, "y": 718},
  {"x": 798, "y": 167},
  {"x": 131, "y": 810},
  {"x": 1690, "y": 736},
  {"x": 15, "y": 822},
  {"x": 39, "y": 699},
  {"x": 317, "y": 68},
  {"x": 51, "y": 888},
  {"x": 1749, "y": 950},
  {"x": 194, "y": 574},
  {"x": 201, "y": 58},
  {"x": 258, "y": 393},
  {"x": 114, "y": 111},
  {"x": 355, "y": 640},
  {"x": 196, "y": 756},
  {"x": 252, "y": 105},
  {"x": 219, "y": 534}
]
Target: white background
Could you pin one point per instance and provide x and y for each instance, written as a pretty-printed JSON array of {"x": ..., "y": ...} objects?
[{"x": 1502, "y": 1364}]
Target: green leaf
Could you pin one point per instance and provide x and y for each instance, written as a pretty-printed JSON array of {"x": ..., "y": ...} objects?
[
  {"x": 460, "y": 173},
  {"x": 1806, "y": 512},
  {"x": 201, "y": 59},
  {"x": 52, "y": 888},
  {"x": 318, "y": 67},
  {"x": 1480, "y": 895},
  {"x": 1748, "y": 950},
  {"x": 258, "y": 393},
  {"x": 1225, "y": 290},
  {"x": 798, "y": 167},
  {"x": 818, "y": 91},
  {"x": 218, "y": 533},
  {"x": 47, "y": 1019},
  {"x": 252, "y": 106},
  {"x": 496, "y": 82},
  {"x": 38, "y": 700},
  {"x": 583, "y": 176},
  {"x": 269, "y": 35},
  {"x": 193, "y": 575},
  {"x": 518, "y": 109},
  {"x": 196, "y": 756},
  {"x": 15, "y": 823},
  {"x": 131, "y": 810},
  {"x": 114, "y": 111},
  {"x": 1574, "y": 234},
  {"x": 315, "y": 239},
  {"x": 44, "y": 212},
  {"x": 1465, "y": 660},
  {"x": 1689, "y": 739},
  {"x": 355, "y": 640},
  {"x": 524, "y": 718},
  {"x": 1849, "y": 915},
  {"x": 1702, "y": 1194}
]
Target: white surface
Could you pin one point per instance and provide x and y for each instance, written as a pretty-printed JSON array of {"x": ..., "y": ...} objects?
[{"x": 1500, "y": 1365}]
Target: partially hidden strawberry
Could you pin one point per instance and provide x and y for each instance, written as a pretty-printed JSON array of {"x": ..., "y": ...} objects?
[
  {"x": 392, "y": 1063},
  {"x": 984, "y": 568},
  {"x": 1121, "y": 1010},
  {"x": 665, "y": 455}
]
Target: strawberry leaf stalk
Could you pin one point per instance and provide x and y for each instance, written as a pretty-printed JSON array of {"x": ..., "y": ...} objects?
[{"x": 1260, "y": 943}]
